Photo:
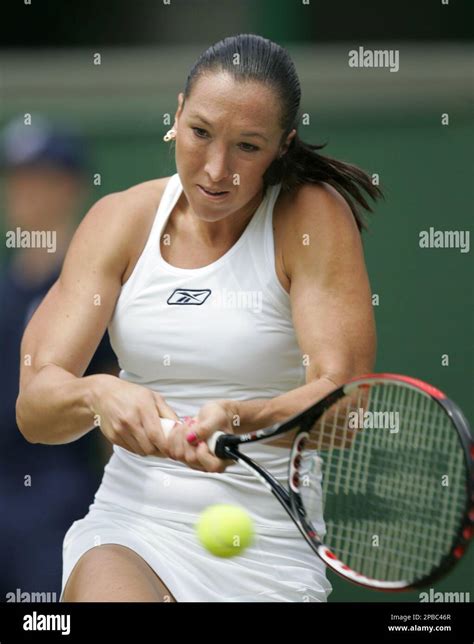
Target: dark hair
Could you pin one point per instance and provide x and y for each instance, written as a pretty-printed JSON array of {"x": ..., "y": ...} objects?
[{"x": 262, "y": 60}]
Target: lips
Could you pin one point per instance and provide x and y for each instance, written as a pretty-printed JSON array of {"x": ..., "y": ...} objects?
[
  {"x": 213, "y": 195},
  {"x": 214, "y": 192}
]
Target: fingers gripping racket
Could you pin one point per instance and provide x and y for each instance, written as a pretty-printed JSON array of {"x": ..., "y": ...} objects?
[{"x": 380, "y": 480}]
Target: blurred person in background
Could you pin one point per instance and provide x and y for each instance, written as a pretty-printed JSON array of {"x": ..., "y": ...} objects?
[{"x": 41, "y": 490}]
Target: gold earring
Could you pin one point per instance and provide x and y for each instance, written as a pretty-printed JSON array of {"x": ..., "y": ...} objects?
[{"x": 171, "y": 134}]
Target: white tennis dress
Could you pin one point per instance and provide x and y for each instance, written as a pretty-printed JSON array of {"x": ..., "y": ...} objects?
[{"x": 196, "y": 335}]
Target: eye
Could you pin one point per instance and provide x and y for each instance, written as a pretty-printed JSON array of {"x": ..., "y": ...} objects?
[
  {"x": 250, "y": 147},
  {"x": 199, "y": 132}
]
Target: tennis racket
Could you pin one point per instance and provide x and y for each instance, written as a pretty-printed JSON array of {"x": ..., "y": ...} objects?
[{"x": 380, "y": 480}]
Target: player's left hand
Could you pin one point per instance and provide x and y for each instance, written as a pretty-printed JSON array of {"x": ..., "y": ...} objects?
[
  {"x": 188, "y": 441},
  {"x": 212, "y": 417}
]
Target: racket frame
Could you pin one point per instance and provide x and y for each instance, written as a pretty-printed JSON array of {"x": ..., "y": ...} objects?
[{"x": 227, "y": 446}]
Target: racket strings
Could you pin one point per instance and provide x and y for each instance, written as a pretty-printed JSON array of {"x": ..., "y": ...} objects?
[{"x": 391, "y": 495}]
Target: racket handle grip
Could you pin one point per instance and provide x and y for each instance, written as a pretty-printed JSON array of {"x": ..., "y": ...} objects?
[{"x": 167, "y": 424}]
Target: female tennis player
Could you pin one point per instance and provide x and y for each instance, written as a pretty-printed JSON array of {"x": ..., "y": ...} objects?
[{"x": 235, "y": 293}]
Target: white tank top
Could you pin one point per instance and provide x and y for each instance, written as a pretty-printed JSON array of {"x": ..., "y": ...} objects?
[
  {"x": 220, "y": 331},
  {"x": 196, "y": 335}
]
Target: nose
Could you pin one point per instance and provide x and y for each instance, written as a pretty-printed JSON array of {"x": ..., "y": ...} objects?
[{"x": 217, "y": 165}]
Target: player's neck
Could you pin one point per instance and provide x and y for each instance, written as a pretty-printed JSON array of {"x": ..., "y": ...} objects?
[{"x": 226, "y": 232}]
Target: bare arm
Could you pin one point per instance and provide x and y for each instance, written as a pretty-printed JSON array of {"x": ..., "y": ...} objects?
[
  {"x": 55, "y": 405},
  {"x": 331, "y": 306}
]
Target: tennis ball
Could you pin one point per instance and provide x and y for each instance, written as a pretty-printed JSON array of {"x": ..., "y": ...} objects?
[{"x": 225, "y": 530}]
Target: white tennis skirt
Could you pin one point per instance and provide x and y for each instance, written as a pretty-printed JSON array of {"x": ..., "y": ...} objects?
[{"x": 151, "y": 505}]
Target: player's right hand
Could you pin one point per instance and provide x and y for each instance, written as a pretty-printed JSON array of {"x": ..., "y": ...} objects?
[{"x": 129, "y": 415}]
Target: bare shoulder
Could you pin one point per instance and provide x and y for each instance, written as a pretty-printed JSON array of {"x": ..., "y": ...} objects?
[
  {"x": 131, "y": 212},
  {"x": 146, "y": 189},
  {"x": 131, "y": 208},
  {"x": 318, "y": 218},
  {"x": 320, "y": 205},
  {"x": 139, "y": 202}
]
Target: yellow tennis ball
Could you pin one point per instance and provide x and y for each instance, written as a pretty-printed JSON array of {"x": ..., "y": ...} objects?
[{"x": 225, "y": 530}]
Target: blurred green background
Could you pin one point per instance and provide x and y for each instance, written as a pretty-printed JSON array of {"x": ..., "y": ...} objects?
[{"x": 388, "y": 123}]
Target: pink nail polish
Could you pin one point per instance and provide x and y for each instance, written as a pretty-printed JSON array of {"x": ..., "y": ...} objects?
[{"x": 191, "y": 437}]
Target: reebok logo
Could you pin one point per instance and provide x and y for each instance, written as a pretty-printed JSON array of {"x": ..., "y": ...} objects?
[{"x": 183, "y": 296}]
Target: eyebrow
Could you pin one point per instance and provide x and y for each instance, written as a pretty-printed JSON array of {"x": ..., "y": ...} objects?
[{"x": 201, "y": 118}]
